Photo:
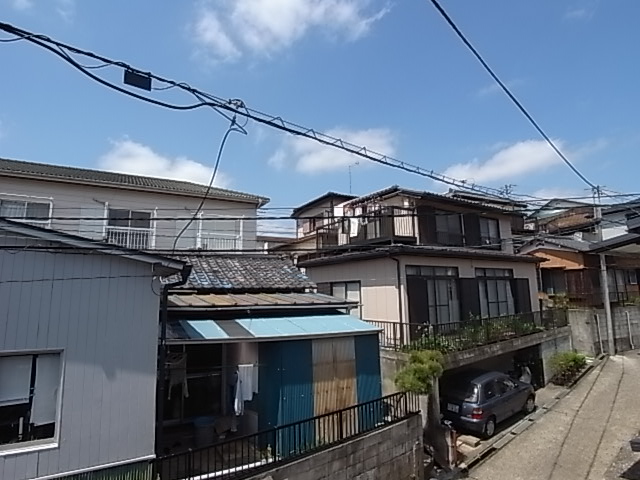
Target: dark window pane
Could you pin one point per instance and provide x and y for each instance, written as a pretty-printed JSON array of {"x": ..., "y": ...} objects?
[
  {"x": 37, "y": 211},
  {"x": 140, "y": 219},
  {"x": 413, "y": 270},
  {"x": 118, "y": 217}
]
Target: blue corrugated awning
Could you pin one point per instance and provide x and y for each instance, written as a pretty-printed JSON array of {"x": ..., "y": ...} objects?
[{"x": 271, "y": 328}]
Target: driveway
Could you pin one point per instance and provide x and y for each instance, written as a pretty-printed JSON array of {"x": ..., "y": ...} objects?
[{"x": 584, "y": 436}]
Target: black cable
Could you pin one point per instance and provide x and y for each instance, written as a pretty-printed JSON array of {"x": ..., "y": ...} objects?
[
  {"x": 506, "y": 90},
  {"x": 238, "y": 107},
  {"x": 232, "y": 128}
]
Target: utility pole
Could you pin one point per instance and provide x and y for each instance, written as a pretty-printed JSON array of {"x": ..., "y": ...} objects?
[{"x": 604, "y": 278}]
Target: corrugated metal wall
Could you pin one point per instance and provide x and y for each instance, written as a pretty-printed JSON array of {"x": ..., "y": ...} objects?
[
  {"x": 286, "y": 376},
  {"x": 102, "y": 313},
  {"x": 368, "y": 368},
  {"x": 369, "y": 379}
]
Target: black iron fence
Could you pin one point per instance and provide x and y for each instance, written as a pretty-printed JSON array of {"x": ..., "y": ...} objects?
[
  {"x": 245, "y": 456},
  {"x": 475, "y": 332}
]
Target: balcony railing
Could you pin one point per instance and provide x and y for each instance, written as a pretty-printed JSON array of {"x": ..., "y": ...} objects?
[
  {"x": 247, "y": 456},
  {"x": 386, "y": 224},
  {"x": 457, "y": 336},
  {"x": 135, "y": 238},
  {"x": 221, "y": 241}
]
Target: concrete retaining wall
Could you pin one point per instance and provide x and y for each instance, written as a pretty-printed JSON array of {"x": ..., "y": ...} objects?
[
  {"x": 584, "y": 329},
  {"x": 394, "y": 452},
  {"x": 551, "y": 347}
]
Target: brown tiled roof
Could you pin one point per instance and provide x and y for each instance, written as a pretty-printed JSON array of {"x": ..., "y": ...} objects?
[
  {"x": 40, "y": 171},
  {"x": 237, "y": 273},
  {"x": 234, "y": 301}
]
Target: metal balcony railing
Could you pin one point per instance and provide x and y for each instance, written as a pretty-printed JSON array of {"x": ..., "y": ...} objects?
[
  {"x": 457, "y": 336},
  {"x": 135, "y": 238}
]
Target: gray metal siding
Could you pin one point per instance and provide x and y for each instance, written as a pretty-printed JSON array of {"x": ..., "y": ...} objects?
[{"x": 107, "y": 329}]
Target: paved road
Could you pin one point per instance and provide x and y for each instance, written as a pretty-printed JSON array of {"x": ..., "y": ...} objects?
[{"x": 582, "y": 435}]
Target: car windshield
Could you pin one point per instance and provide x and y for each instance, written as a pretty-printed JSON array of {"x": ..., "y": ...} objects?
[{"x": 465, "y": 392}]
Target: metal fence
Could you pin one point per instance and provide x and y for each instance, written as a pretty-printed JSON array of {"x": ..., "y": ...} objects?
[
  {"x": 457, "y": 336},
  {"x": 245, "y": 456}
]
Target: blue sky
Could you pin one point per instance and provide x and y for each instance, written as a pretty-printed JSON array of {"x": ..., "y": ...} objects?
[{"x": 390, "y": 75}]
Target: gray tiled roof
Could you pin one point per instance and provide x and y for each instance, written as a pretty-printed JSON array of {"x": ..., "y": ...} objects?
[
  {"x": 228, "y": 273},
  {"x": 100, "y": 177}
]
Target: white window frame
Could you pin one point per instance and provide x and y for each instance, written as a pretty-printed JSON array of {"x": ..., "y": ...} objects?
[
  {"x": 345, "y": 284},
  {"x": 203, "y": 237},
  {"x": 45, "y": 443},
  {"x": 14, "y": 197},
  {"x": 151, "y": 230}
]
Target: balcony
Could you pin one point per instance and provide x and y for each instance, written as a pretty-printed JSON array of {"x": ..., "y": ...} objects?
[
  {"x": 128, "y": 237},
  {"x": 387, "y": 225},
  {"x": 459, "y": 336},
  {"x": 221, "y": 241}
]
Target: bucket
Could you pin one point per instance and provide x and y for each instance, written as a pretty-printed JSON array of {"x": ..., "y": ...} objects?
[{"x": 205, "y": 430}]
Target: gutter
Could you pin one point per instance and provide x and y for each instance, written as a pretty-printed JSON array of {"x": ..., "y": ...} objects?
[
  {"x": 399, "y": 285},
  {"x": 162, "y": 354}
]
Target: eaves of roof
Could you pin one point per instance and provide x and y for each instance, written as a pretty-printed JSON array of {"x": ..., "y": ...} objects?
[
  {"x": 425, "y": 251},
  {"x": 101, "y": 178}
]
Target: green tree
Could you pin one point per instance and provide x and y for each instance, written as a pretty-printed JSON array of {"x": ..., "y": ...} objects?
[{"x": 418, "y": 374}]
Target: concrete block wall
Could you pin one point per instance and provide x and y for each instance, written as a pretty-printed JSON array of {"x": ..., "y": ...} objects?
[
  {"x": 584, "y": 329},
  {"x": 394, "y": 452},
  {"x": 551, "y": 347}
]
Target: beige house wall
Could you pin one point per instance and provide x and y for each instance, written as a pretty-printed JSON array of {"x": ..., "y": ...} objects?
[
  {"x": 80, "y": 210},
  {"x": 378, "y": 285},
  {"x": 379, "y": 280}
]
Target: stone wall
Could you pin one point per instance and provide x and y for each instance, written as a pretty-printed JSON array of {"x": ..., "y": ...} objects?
[
  {"x": 587, "y": 337},
  {"x": 394, "y": 452}
]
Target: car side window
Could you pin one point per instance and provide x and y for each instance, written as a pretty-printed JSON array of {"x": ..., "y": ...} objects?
[
  {"x": 489, "y": 390},
  {"x": 505, "y": 385}
]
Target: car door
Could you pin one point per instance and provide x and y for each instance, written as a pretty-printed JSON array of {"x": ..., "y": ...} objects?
[
  {"x": 492, "y": 400},
  {"x": 509, "y": 395}
]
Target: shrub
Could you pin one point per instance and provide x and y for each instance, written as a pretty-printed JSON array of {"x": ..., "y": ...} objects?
[
  {"x": 417, "y": 376},
  {"x": 566, "y": 366}
]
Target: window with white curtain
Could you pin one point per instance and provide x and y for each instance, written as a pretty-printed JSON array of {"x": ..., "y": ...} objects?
[{"x": 29, "y": 394}]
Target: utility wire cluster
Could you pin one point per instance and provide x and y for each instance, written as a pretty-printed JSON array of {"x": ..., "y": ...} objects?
[{"x": 229, "y": 108}]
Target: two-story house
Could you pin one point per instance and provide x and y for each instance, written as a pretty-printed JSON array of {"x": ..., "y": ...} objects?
[
  {"x": 128, "y": 210},
  {"x": 422, "y": 258}
]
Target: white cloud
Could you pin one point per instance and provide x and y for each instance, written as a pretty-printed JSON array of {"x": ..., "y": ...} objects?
[
  {"x": 66, "y": 9},
  {"x": 127, "y": 156},
  {"x": 494, "y": 88},
  {"x": 559, "y": 192},
  {"x": 226, "y": 30},
  {"x": 311, "y": 157},
  {"x": 584, "y": 12},
  {"x": 509, "y": 162},
  {"x": 22, "y": 4}
]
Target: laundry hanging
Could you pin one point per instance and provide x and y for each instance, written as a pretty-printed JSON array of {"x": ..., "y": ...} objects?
[{"x": 246, "y": 386}]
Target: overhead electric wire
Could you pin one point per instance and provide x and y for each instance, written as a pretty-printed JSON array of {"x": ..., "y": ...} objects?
[
  {"x": 232, "y": 128},
  {"x": 509, "y": 94},
  {"x": 238, "y": 107}
]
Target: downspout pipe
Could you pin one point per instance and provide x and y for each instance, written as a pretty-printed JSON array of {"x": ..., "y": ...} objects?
[
  {"x": 162, "y": 354},
  {"x": 400, "y": 309}
]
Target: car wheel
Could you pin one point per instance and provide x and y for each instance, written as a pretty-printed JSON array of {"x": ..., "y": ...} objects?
[
  {"x": 489, "y": 428},
  {"x": 529, "y": 405}
]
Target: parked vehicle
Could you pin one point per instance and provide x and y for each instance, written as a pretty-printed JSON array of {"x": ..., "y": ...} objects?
[{"x": 477, "y": 400}]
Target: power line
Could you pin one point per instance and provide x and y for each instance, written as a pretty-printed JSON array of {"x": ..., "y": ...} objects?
[
  {"x": 232, "y": 128},
  {"x": 511, "y": 96},
  {"x": 236, "y": 107}
]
